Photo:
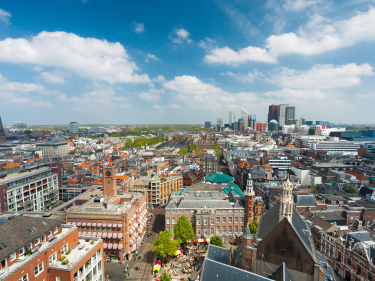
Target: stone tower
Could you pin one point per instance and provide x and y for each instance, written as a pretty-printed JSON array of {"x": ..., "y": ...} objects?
[
  {"x": 286, "y": 202},
  {"x": 2, "y": 133},
  {"x": 249, "y": 201},
  {"x": 247, "y": 249},
  {"x": 109, "y": 181}
]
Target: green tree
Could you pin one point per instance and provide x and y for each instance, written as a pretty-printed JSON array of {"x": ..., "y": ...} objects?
[
  {"x": 128, "y": 143},
  {"x": 165, "y": 277},
  {"x": 27, "y": 132},
  {"x": 313, "y": 189},
  {"x": 182, "y": 152},
  {"x": 193, "y": 147},
  {"x": 217, "y": 151},
  {"x": 164, "y": 244},
  {"x": 351, "y": 190},
  {"x": 174, "y": 138},
  {"x": 216, "y": 240},
  {"x": 183, "y": 230},
  {"x": 253, "y": 227}
]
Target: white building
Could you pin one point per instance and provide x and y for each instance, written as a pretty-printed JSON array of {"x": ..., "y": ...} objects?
[
  {"x": 337, "y": 147},
  {"x": 281, "y": 163},
  {"x": 73, "y": 127}
]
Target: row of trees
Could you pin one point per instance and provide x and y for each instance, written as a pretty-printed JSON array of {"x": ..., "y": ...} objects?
[{"x": 143, "y": 142}]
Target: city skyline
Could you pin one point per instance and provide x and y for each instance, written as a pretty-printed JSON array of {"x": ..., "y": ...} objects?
[{"x": 109, "y": 62}]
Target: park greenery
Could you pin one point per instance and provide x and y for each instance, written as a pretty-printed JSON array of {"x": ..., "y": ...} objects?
[
  {"x": 217, "y": 151},
  {"x": 143, "y": 142},
  {"x": 164, "y": 244},
  {"x": 253, "y": 227},
  {"x": 165, "y": 277},
  {"x": 351, "y": 190},
  {"x": 182, "y": 152},
  {"x": 183, "y": 230},
  {"x": 193, "y": 147},
  {"x": 216, "y": 240}
]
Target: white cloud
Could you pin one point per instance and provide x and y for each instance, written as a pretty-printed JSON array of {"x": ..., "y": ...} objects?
[
  {"x": 296, "y": 94},
  {"x": 125, "y": 105},
  {"x": 38, "y": 68},
  {"x": 151, "y": 56},
  {"x": 5, "y": 85},
  {"x": 151, "y": 94},
  {"x": 191, "y": 85},
  {"x": 139, "y": 27},
  {"x": 172, "y": 105},
  {"x": 250, "y": 77},
  {"x": 323, "y": 76},
  {"x": 207, "y": 43},
  {"x": 319, "y": 35},
  {"x": 297, "y": 5},
  {"x": 228, "y": 56},
  {"x": 182, "y": 36},
  {"x": 56, "y": 77},
  {"x": 5, "y": 16},
  {"x": 156, "y": 106},
  {"x": 87, "y": 57}
]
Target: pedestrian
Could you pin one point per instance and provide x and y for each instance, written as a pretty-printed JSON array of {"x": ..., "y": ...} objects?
[{"x": 128, "y": 274}]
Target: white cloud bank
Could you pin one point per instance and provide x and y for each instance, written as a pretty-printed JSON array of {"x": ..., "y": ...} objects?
[
  {"x": 56, "y": 77},
  {"x": 5, "y": 16},
  {"x": 86, "y": 57}
]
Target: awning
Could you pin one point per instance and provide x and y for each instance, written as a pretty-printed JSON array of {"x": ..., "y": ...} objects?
[
  {"x": 109, "y": 235},
  {"x": 89, "y": 224},
  {"x": 99, "y": 234},
  {"x": 114, "y": 235},
  {"x": 83, "y": 224},
  {"x": 110, "y": 246},
  {"x": 179, "y": 251},
  {"x": 109, "y": 225},
  {"x": 131, "y": 231},
  {"x": 114, "y": 225},
  {"x": 94, "y": 224},
  {"x": 134, "y": 248},
  {"x": 104, "y": 225},
  {"x": 69, "y": 222},
  {"x": 119, "y": 225},
  {"x": 84, "y": 233},
  {"x": 131, "y": 242},
  {"x": 104, "y": 235},
  {"x": 94, "y": 234},
  {"x": 105, "y": 245},
  {"x": 157, "y": 266},
  {"x": 89, "y": 233},
  {"x": 79, "y": 223},
  {"x": 115, "y": 246},
  {"x": 99, "y": 224},
  {"x": 202, "y": 240},
  {"x": 74, "y": 223},
  {"x": 120, "y": 246},
  {"x": 119, "y": 236}
]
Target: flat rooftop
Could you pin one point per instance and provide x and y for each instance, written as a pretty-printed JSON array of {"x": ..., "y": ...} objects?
[{"x": 13, "y": 176}]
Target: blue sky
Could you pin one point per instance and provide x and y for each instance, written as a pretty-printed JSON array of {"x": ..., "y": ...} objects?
[{"x": 148, "y": 62}]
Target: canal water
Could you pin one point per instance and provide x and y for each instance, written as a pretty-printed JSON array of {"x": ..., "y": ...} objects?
[{"x": 180, "y": 145}]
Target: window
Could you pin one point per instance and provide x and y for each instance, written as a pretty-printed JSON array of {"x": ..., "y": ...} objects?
[
  {"x": 236, "y": 229},
  {"x": 224, "y": 229},
  {"x": 241, "y": 219},
  {"x": 224, "y": 220},
  {"x": 212, "y": 221},
  {"x": 198, "y": 221},
  {"x": 13, "y": 256},
  {"x": 369, "y": 277},
  {"x": 205, "y": 221},
  {"x": 349, "y": 261},
  {"x": 38, "y": 269},
  {"x": 356, "y": 217},
  {"x": 212, "y": 231},
  {"x": 359, "y": 269},
  {"x": 333, "y": 202},
  {"x": 49, "y": 233},
  {"x": 241, "y": 228},
  {"x": 21, "y": 251},
  {"x": 64, "y": 249},
  {"x": 30, "y": 246},
  {"x": 230, "y": 229},
  {"x": 198, "y": 231},
  {"x": 352, "y": 217},
  {"x": 236, "y": 219},
  {"x": 174, "y": 220},
  {"x": 218, "y": 220},
  {"x": 218, "y": 229},
  {"x": 168, "y": 220},
  {"x": 230, "y": 219},
  {"x": 24, "y": 278},
  {"x": 52, "y": 258},
  {"x": 58, "y": 278},
  {"x": 55, "y": 230},
  {"x": 3, "y": 264},
  {"x": 37, "y": 241},
  {"x": 205, "y": 232}
]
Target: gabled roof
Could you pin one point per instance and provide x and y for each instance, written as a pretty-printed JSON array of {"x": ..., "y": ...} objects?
[
  {"x": 304, "y": 200},
  {"x": 247, "y": 234},
  {"x": 281, "y": 273},
  {"x": 218, "y": 254}
]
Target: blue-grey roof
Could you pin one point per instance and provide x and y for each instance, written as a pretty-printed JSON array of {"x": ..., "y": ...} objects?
[
  {"x": 304, "y": 200},
  {"x": 191, "y": 204},
  {"x": 352, "y": 238},
  {"x": 218, "y": 254},
  {"x": 326, "y": 268},
  {"x": 281, "y": 274},
  {"x": 216, "y": 271},
  {"x": 364, "y": 139},
  {"x": 329, "y": 216}
]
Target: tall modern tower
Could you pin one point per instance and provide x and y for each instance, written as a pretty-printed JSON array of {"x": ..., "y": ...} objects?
[
  {"x": 2, "y": 133},
  {"x": 290, "y": 113},
  {"x": 245, "y": 116},
  {"x": 220, "y": 122},
  {"x": 282, "y": 111},
  {"x": 273, "y": 113},
  {"x": 73, "y": 127},
  {"x": 232, "y": 117}
]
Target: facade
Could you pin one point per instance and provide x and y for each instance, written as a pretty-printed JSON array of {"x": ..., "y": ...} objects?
[
  {"x": 53, "y": 148},
  {"x": 241, "y": 125},
  {"x": 73, "y": 127},
  {"x": 232, "y": 117},
  {"x": 207, "y": 124},
  {"x": 258, "y": 136},
  {"x": 281, "y": 163},
  {"x": 20, "y": 125},
  {"x": 192, "y": 176},
  {"x": 245, "y": 117},
  {"x": 44, "y": 248},
  {"x": 34, "y": 190},
  {"x": 261, "y": 127},
  {"x": 296, "y": 122},
  {"x": 290, "y": 113},
  {"x": 209, "y": 164},
  {"x": 337, "y": 147},
  {"x": 282, "y": 114},
  {"x": 158, "y": 188},
  {"x": 273, "y": 113},
  {"x": 2, "y": 133}
]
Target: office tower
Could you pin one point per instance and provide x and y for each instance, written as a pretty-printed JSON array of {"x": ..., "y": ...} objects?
[
  {"x": 296, "y": 122},
  {"x": 207, "y": 124},
  {"x": 245, "y": 116},
  {"x": 290, "y": 113},
  {"x": 2, "y": 133},
  {"x": 319, "y": 123},
  {"x": 220, "y": 122},
  {"x": 261, "y": 127},
  {"x": 282, "y": 111},
  {"x": 309, "y": 123},
  {"x": 273, "y": 113},
  {"x": 73, "y": 127},
  {"x": 232, "y": 117},
  {"x": 303, "y": 120}
]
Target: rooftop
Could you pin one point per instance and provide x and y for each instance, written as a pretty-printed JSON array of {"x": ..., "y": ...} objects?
[
  {"x": 219, "y": 177},
  {"x": 26, "y": 173}
]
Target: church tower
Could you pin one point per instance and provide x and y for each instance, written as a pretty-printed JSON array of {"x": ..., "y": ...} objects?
[
  {"x": 286, "y": 202},
  {"x": 109, "y": 181},
  {"x": 249, "y": 201}
]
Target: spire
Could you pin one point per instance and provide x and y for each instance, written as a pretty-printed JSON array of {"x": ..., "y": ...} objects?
[
  {"x": 249, "y": 186},
  {"x": 286, "y": 201},
  {"x": 247, "y": 234}
]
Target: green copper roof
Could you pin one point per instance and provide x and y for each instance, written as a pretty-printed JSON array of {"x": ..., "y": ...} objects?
[
  {"x": 241, "y": 120},
  {"x": 219, "y": 177},
  {"x": 237, "y": 190}
]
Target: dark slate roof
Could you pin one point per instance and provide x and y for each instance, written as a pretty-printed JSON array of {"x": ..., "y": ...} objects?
[
  {"x": 270, "y": 219},
  {"x": 218, "y": 254},
  {"x": 304, "y": 200},
  {"x": 281, "y": 274},
  {"x": 15, "y": 234},
  {"x": 326, "y": 267},
  {"x": 216, "y": 271},
  {"x": 247, "y": 234},
  {"x": 192, "y": 174},
  {"x": 329, "y": 216}
]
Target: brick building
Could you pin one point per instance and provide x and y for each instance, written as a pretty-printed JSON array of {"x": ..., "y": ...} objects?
[{"x": 192, "y": 176}]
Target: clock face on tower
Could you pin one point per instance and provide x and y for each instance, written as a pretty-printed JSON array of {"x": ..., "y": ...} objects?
[{"x": 108, "y": 173}]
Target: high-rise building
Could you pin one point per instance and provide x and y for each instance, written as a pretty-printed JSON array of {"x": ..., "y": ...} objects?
[
  {"x": 73, "y": 127},
  {"x": 19, "y": 125},
  {"x": 303, "y": 120},
  {"x": 2, "y": 133},
  {"x": 297, "y": 122},
  {"x": 290, "y": 113},
  {"x": 232, "y": 117},
  {"x": 319, "y": 123},
  {"x": 241, "y": 124},
  {"x": 309, "y": 123},
  {"x": 273, "y": 113},
  {"x": 207, "y": 124},
  {"x": 245, "y": 116},
  {"x": 220, "y": 122},
  {"x": 282, "y": 112},
  {"x": 261, "y": 127},
  {"x": 252, "y": 121}
]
